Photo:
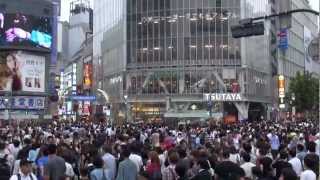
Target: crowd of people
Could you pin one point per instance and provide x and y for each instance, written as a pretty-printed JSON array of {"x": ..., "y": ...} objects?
[{"x": 265, "y": 150}]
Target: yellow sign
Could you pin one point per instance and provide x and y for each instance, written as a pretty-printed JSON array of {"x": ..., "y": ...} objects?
[{"x": 281, "y": 86}]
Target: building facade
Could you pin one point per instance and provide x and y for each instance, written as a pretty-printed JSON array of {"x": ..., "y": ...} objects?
[
  {"x": 75, "y": 65},
  {"x": 161, "y": 59}
]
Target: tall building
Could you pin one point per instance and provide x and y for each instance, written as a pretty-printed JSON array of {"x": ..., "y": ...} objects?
[
  {"x": 75, "y": 65},
  {"x": 304, "y": 28},
  {"x": 160, "y": 59}
]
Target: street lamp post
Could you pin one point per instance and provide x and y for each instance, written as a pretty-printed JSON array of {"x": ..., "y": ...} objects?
[
  {"x": 126, "y": 108},
  {"x": 293, "y": 114},
  {"x": 7, "y": 102}
]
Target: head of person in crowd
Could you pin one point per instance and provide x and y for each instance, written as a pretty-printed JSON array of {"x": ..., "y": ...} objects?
[
  {"x": 311, "y": 147},
  {"x": 292, "y": 152},
  {"x": 228, "y": 170},
  {"x": 98, "y": 162},
  {"x": 226, "y": 154},
  {"x": 182, "y": 152},
  {"x": 310, "y": 162},
  {"x": 247, "y": 147},
  {"x": 283, "y": 155},
  {"x": 27, "y": 141},
  {"x": 203, "y": 163},
  {"x": 107, "y": 148},
  {"x": 246, "y": 157},
  {"x": 16, "y": 143},
  {"x": 181, "y": 170},
  {"x": 173, "y": 157},
  {"x": 288, "y": 174},
  {"x": 135, "y": 149},
  {"x": 25, "y": 166},
  {"x": 125, "y": 151},
  {"x": 300, "y": 148},
  {"x": 266, "y": 166},
  {"x": 154, "y": 158},
  {"x": 52, "y": 149},
  {"x": 50, "y": 140}
]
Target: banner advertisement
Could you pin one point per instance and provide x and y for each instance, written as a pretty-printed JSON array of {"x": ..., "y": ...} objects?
[
  {"x": 20, "y": 71},
  {"x": 22, "y": 102},
  {"x": 307, "y": 36},
  {"x": 281, "y": 86},
  {"x": 87, "y": 76}
]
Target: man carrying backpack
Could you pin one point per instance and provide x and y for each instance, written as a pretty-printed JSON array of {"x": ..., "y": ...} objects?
[
  {"x": 6, "y": 162},
  {"x": 25, "y": 172}
]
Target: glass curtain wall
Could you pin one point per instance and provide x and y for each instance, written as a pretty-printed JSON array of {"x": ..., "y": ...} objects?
[{"x": 175, "y": 46}]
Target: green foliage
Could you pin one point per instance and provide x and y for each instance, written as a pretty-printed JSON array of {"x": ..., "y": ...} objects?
[{"x": 306, "y": 90}]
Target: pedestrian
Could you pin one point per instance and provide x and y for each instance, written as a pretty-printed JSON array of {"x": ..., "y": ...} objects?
[
  {"x": 203, "y": 173},
  {"x": 247, "y": 165},
  {"x": 169, "y": 172},
  {"x": 281, "y": 163},
  {"x": 25, "y": 172},
  {"x": 295, "y": 162},
  {"x": 98, "y": 173},
  {"x": 127, "y": 170},
  {"x": 154, "y": 167},
  {"x": 109, "y": 162},
  {"x": 309, "y": 165},
  {"x": 55, "y": 168},
  {"x": 288, "y": 174},
  {"x": 181, "y": 170}
]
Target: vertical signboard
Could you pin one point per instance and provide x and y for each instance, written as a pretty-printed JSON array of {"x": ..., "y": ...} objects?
[
  {"x": 281, "y": 86},
  {"x": 283, "y": 39},
  {"x": 307, "y": 38}
]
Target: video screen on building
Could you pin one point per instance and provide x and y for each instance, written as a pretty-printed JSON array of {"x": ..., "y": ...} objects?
[{"x": 25, "y": 31}]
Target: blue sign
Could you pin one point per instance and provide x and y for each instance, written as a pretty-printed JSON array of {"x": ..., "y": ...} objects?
[
  {"x": 23, "y": 102},
  {"x": 283, "y": 39},
  {"x": 83, "y": 98}
]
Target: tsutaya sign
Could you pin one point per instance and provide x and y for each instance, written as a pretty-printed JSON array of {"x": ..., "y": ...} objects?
[{"x": 223, "y": 97}]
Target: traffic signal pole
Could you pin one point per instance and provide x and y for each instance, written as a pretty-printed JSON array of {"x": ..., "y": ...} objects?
[{"x": 248, "y": 27}]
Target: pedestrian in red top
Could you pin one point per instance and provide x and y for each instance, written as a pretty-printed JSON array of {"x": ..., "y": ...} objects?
[{"x": 154, "y": 167}]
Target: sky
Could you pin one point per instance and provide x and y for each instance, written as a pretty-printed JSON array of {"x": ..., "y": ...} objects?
[{"x": 65, "y": 5}]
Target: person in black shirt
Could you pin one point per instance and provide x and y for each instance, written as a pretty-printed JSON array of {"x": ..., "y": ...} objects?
[{"x": 281, "y": 163}]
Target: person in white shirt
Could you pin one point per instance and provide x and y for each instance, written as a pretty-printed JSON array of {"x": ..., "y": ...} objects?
[
  {"x": 247, "y": 165},
  {"x": 109, "y": 163},
  {"x": 308, "y": 174},
  {"x": 134, "y": 157},
  {"x": 295, "y": 162},
  {"x": 25, "y": 172},
  {"x": 318, "y": 144}
]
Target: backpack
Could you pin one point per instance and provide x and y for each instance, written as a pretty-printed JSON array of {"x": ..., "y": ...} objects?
[{"x": 4, "y": 168}]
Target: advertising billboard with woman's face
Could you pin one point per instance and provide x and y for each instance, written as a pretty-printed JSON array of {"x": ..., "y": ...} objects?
[{"x": 20, "y": 71}]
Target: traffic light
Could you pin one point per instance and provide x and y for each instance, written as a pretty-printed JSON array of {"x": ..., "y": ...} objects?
[{"x": 247, "y": 30}]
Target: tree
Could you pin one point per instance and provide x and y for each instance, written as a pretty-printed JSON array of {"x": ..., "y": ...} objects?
[{"x": 306, "y": 91}]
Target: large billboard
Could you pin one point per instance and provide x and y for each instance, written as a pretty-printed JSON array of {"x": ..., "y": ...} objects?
[
  {"x": 307, "y": 36},
  {"x": 87, "y": 76},
  {"x": 20, "y": 71},
  {"x": 24, "y": 31}
]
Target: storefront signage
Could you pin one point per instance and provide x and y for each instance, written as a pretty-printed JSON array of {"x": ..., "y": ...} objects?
[
  {"x": 22, "y": 102},
  {"x": 83, "y": 98},
  {"x": 281, "y": 84},
  {"x": 223, "y": 97}
]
